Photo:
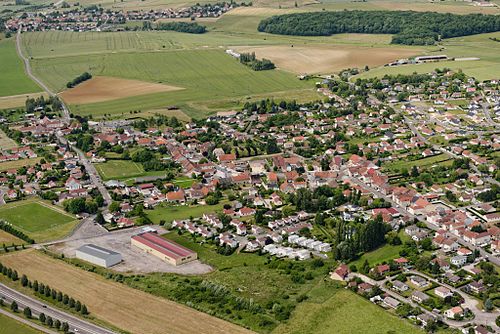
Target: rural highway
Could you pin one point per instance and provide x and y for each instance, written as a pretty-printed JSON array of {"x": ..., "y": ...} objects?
[{"x": 76, "y": 325}]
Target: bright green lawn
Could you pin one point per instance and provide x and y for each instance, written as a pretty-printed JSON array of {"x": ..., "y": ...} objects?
[
  {"x": 381, "y": 254},
  {"x": 13, "y": 80},
  {"x": 344, "y": 312},
  {"x": 39, "y": 221},
  {"x": 179, "y": 212},
  {"x": 123, "y": 169},
  {"x": 10, "y": 326}
]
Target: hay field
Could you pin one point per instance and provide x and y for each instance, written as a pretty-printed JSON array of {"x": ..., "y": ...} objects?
[
  {"x": 100, "y": 89},
  {"x": 13, "y": 80},
  {"x": 16, "y": 101},
  {"x": 115, "y": 303},
  {"x": 327, "y": 59},
  {"x": 5, "y": 142},
  {"x": 18, "y": 163},
  {"x": 8, "y": 239}
]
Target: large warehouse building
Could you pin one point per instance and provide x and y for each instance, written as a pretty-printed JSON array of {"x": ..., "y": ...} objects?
[
  {"x": 99, "y": 256},
  {"x": 166, "y": 250}
]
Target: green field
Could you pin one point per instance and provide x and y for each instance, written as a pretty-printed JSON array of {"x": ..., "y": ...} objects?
[
  {"x": 180, "y": 212},
  {"x": 123, "y": 170},
  {"x": 344, "y": 312},
  {"x": 37, "y": 219},
  {"x": 13, "y": 78},
  {"x": 11, "y": 326},
  {"x": 438, "y": 159}
]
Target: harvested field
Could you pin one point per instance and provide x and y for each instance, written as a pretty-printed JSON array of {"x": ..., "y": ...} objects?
[
  {"x": 16, "y": 101},
  {"x": 5, "y": 142},
  {"x": 115, "y": 303},
  {"x": 9, "y": 239},
  {"x": 101, "y": 89},
  {"x": 326, "y": 59}
]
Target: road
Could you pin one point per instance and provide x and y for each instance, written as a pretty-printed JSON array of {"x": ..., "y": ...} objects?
[{"x": 37, "y": 307}]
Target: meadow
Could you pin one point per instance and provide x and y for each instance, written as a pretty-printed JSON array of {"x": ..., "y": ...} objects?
[
  {"x": 122, "y": 170},
  {"x": 37, "y": 219},
  {"x": 16, "y": 164},
  {"x": 112, "y": 302},
  {"x": 14, "y": 80},
  {"x": 8, "y": 239},
  {"x": 5, "y": 142},
  {"x": 10, "y": 326},
  {"x": 181, "y": 212}
]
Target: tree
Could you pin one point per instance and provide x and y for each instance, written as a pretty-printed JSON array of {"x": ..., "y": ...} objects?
[
  {"x": 488, "y": 305},
  {"x": 426, "y": 244},
  {"x": 13, "y": 306},
  {"x": 27, "y": 312},
  {"x": 24, "y": 280},
  {"x": 84, "y": 310},
  {"x": 65, "y": 327},
  {"x": 57, "y": 324},
  {"x": 42, "y": 317},
  {"x": 49, "y": 321}
]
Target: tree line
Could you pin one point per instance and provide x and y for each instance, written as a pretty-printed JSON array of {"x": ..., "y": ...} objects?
[
  {"x": 79, "y": 79},
  {"x": 44, "y": 290},
  {"x": 12, "y": 230},
  {"x": 190, "y": 28},
  {"x": 255, "y": 64},
  {"x": 408, "y": 27}
]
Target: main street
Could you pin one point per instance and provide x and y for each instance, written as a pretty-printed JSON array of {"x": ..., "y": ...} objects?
[{"x": 37, "y": 307}]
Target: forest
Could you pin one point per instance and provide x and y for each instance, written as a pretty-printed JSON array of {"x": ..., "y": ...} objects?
[{"x": 408, "y": 27}]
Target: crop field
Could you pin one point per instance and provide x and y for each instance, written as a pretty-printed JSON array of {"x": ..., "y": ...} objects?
[
  {"x": 100, "y": 89},
  {"x": 37, "y": 219},
  {"x": 5, "y": 142},
  {"x": 14, "y": 81},
  {"x": 328, "y": 59},
  {"x": 16, "y": 164},
  {"x": 344, "y": 313},
  {"x": 16, "y": 101},
  {"x": 115, "y": 303},
  {"x": 9, "y": 239},
  {"x": 10, "y": 326}
]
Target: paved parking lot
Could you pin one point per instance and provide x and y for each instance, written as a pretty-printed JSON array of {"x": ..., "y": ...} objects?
[{"x": 134, "y": 259}]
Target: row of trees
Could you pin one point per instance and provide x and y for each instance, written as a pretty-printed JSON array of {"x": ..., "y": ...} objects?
[
  {"x": 12, "y": 230},
  {"x": 79, "y": 79},
  {"x": 44, "y": 290},
  {"x": 255, "y": 64},
  {"x": 191, "y": 27},
  {"x": 46, "y": 320},
  {"x": 411, "y": 28},
  {"x": 40, "y": 102}
]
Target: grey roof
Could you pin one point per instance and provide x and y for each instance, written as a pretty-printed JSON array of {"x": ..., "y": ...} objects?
[{"x": 97, "y": 251}]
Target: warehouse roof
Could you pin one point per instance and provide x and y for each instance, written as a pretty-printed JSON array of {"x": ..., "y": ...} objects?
[
  {"x": 97, "y": 251},
  {"x": 163, "y": 246}
]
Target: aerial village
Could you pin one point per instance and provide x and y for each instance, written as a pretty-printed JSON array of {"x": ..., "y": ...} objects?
[{"x": 415, "y": 154}]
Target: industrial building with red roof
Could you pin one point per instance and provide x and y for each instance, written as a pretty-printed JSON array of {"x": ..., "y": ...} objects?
[{"x": 166, "y": 250}]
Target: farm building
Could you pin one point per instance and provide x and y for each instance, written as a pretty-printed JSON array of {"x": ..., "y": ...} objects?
[
  {"x": 166, "y": 250},
  {"x": 97, "y": 255}
]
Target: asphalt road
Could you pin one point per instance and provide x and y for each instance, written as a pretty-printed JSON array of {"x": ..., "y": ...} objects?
[{"x": 76, "y": 325}]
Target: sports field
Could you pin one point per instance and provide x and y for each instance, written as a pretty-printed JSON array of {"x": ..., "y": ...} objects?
[
  {"x": 37, "y": 219},
  {"x": 344, "y": 313},
  {"x": 122, "y": 170},
  {"x": 132, "y": 310},
  {"x": 13, "y": 79},
  {"x": 11, "y": 326}
]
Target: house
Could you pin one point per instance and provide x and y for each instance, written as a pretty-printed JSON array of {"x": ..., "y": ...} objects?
[
  {"x": 442, "y": 292},
  {"x": 454, "y": 312},
  {"x": 365, "y": 288},
  {"x": 425, "y": 318},
  {"x": 458, "y": 260},
  {"x": 391, "y": 302},
  {"x": 72, "y": 184},
  {"x": 400, "y": 286},
  {"x": 382, "y": 269},
  {"x": 419, "y": 281},
  {"x": 419, "y": 296},
  {"x": 341, "y": 273}
]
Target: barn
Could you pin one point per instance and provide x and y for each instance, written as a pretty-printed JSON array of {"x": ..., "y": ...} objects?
[
  {"x": 166, "y": 250},
  {"x": 97, "y": 255}
]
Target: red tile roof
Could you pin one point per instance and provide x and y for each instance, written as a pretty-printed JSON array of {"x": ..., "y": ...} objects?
[{"x": 167, "y": 247}]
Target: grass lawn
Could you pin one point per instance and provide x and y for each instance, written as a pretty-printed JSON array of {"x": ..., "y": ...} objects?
[
  {"x": 39, "y": 220},
  {"x": 14, "y": 80},
  {"x": 5, "y": 142},
  {"x": 183, "y": 182},
  {"x": 11, "y": 326},
  {"x": 344, "y": 312},
  {"x": 424, "y": 162},
  {"x": 379, "y": 255},
  {"x": 18, "y": 163},
  {"x": 123, "y": 170},
  {"x": 170, "y": 213}
]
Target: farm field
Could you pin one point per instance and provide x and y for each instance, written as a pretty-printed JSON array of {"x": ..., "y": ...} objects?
[
  {"x": 37, "y": 219},
  {"x": 14, "y": 80},
  {"x": 16, "y": 101},
  {"x": 9, "y": 239},
  {"x": 171, "y": 213},
  {"x": 16, "y": 164},
  {"x": 10, "y": 326},
  {"x": 5, "y": 142},
  {"x": 100, "y": 89},
  {"x": 122, "y": 170},
  {"x": 341, "y": 314},
  {"x": 111, "y": 302},
  {"x": 328, "y": 59}
]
